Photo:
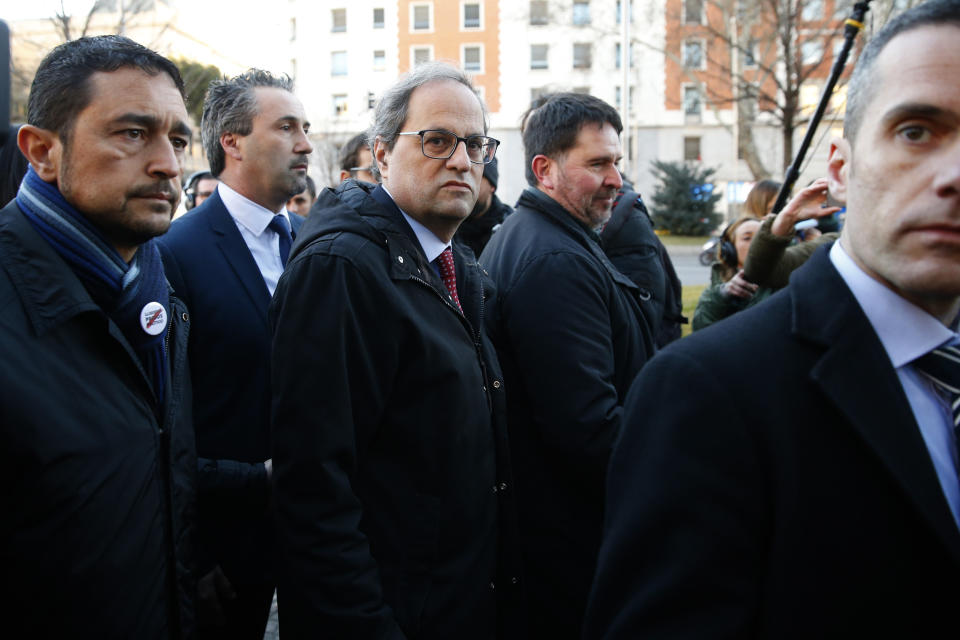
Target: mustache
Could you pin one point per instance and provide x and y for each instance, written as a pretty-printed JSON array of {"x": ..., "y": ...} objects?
[
  {"x": 167, "y": 189},
  {"x": 300, "y": 160}
]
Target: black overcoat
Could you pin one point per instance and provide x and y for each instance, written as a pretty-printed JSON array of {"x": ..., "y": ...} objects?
[
  {"x": 392, "y": 479},
  {"x": 97, "y": 509},
  {"x": 771, "y": 482}
]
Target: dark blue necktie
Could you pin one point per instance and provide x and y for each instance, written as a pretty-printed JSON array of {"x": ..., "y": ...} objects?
[{"x": 282, "y": 227}]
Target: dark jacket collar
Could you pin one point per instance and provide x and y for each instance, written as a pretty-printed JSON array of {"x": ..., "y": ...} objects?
[
  {"x": 537, "y": 200},
  {"x": 856, "y": 375},
  {"x": 50, "y": 291}
]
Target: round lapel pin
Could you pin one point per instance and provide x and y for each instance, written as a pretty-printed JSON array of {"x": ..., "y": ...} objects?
[{"x": 153, "y": 318}]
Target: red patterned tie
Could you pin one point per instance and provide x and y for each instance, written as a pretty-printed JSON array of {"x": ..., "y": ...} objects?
[{"x": 449, "y": 274}]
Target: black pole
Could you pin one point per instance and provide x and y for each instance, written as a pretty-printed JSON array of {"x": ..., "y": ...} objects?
[{"x": 853, "y": 25}]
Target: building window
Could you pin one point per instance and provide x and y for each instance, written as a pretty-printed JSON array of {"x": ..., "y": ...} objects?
[
  {"x": 339, "y": 17},
  {"x": 693, "y": 57},
  {"x": 618, "y": 97},
  {"x": 811, "y": 52},
  {"x": 338, "y": 63},
  {"x": 378, "y": 18},
  {"x": 471, "y": 15},
  {"x": 620, "y": 11},
  {"x": 379, "y": 60},
  {"x": 538, "y": 12},
  {"x": 339, "y": 105},
  {"x": 581, "y": 12},
  {"x": 471, "y": 56},
  {"x": 812, "y": 10},
  {"x": 293, "y": 29},
  {"x": 420, "y": 55},
  {"x": 420, "y": 16},
  {"x": 691, "y": 100},
  {"x": 691, "y": 148},
  {"x": 618, "y": 56},
  {"x": 693, "y": 11},
  {"x": 538, "y": 56},
  {"x": 581, "y": 55}
]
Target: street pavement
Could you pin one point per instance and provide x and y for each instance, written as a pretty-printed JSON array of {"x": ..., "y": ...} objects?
[{"x": 685, "y": 261}]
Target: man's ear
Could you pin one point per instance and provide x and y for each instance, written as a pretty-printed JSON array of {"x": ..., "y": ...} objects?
[
  {"x": 543, "y": 168},
  {"x": 838, "y": 168},
  {"x": 231, "y": 145},
  {"x": 380, "y": 157},
  {"x": 43, "y": 151}
]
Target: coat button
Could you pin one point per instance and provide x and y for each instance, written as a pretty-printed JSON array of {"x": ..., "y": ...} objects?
[
  {"x": 492, "y": 586},
  {"x": 514, "y": 580},
  {"x": 496, "y": 384},
  {"x": 183, "y": 316},
  {"x": 494, "y": 488},
  {"x": 400, "y": 259},
  {"x": 503, "y": 486}
]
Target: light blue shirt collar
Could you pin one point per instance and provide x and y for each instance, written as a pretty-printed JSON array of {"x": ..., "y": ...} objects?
[
  {"x": 905, "y": 330},
  {"x": 432, "y": 245}
]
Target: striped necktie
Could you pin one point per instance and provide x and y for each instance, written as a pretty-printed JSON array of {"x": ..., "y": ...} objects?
[{"x": 942, "y": 367}]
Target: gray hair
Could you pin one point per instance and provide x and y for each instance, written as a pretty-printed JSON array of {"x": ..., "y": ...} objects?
[
  {"x": 391, "y": 110},
  {"x": 863, "y": 85},
  {"x": 230, "y": 106}
]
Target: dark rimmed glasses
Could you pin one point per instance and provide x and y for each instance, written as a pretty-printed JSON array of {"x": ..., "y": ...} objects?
[{"x": 441, "y": 145}]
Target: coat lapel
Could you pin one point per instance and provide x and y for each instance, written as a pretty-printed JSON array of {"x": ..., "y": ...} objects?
[
  {"x": 858, "y": 378},
  {"x": 237, "y": 255}
]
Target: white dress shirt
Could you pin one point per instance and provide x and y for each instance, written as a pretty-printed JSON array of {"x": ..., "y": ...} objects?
[
  {"x": 253, "y": 221},
  {"x": 907, "y": 332}
]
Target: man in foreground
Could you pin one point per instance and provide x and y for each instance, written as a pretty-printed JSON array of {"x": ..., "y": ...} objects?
[
  {"x": 812, "y": 490},
  {"x": 97, "y": 452},
  {"x": 391, "y": 466}
]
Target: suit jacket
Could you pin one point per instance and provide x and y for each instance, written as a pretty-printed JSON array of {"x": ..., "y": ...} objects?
[
  {"x": 212, "y": 271},
  {"x": 771, "y": 481}
]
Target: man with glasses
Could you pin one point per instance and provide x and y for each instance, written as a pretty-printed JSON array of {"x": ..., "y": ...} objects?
[
  {"x": 356, "y": 161},
  {"x": 571, "y": 335},
  {"x": 393, "y": 494}
]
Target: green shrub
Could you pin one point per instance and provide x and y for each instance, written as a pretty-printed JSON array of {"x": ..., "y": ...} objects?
[{"x": 685, "y": 199}]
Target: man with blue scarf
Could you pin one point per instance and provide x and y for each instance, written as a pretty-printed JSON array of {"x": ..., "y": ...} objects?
[{"x": 96, "y": 441}]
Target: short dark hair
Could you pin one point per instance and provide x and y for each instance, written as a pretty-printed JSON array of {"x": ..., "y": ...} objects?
[
  {"x": 862, "y": 86},
  {"x": 60, "y": 89},
  {"x": 230, "y": 106},
  {"x": 551, "y": 125},
  {"x": 350, "y": 151}
]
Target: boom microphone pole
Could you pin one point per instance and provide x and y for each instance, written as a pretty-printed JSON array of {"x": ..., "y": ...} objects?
[{"x": 853, "y": 25}]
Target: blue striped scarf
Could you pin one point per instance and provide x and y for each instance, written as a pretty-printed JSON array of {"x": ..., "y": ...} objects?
[{"x": 120, "y": 289}]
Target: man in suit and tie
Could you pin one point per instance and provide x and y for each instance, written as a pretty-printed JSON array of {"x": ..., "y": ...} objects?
[
  {"x": 791, "y": 472},
  {"x": 224, "y": 259},
  {"x": 394, "y": 497}
]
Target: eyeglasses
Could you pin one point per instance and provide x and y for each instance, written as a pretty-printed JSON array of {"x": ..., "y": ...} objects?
[
  {"x": 440, "y": 145},
  {"x": 354, "y": 170}
]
